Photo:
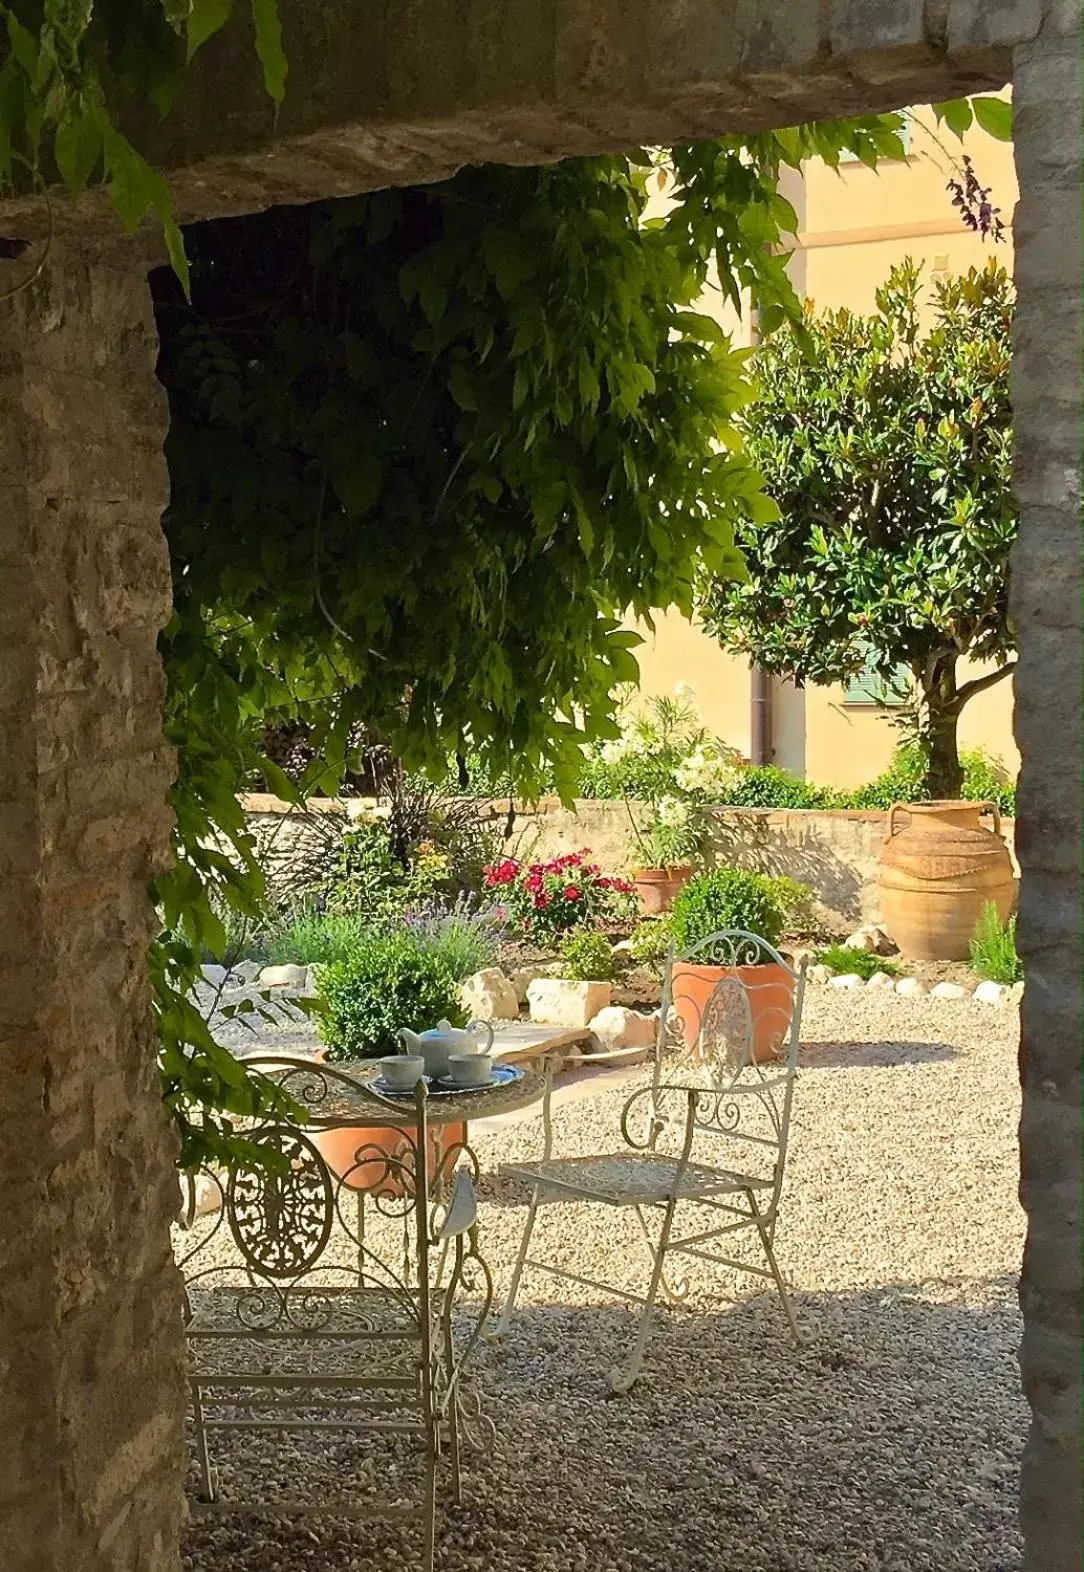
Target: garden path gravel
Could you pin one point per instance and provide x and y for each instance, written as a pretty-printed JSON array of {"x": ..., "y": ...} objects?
[{"x": 889, "y": 1442}]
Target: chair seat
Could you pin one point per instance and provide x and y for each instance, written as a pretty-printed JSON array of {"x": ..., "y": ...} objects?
[{"x": 630, "y": 1178}]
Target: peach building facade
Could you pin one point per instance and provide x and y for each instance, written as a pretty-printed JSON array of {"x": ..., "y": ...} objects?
[{"x": 854, "y": 226}]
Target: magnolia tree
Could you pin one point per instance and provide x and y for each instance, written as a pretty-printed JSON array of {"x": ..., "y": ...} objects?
[{"x": 888, "y": 450}]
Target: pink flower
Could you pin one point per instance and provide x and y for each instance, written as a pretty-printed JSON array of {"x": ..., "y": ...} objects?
[
  {"x": 572, "y": 893},
  {"x": 533, "y": 881}
]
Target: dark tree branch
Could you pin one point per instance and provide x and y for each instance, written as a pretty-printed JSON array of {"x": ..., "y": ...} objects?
[{"x": 980, "y": 684}]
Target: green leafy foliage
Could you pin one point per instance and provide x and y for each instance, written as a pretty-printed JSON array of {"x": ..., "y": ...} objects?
[
  {"x": 458, "y": 517},
  {"x": 768, "y": 786},
  {"x": 587, "y": 957},
  {"x": 794, "y": 897},
  {"x": 994, "y": 115},
  {"x": 385, "y": 982},
  {"x": 673, "y": 836},
  {"x": 62, "y": 76},
  {"x": 993, "y": 948},
  {"x": 650, "y": 940},
  {"x": 465, "y": 937},
  {"x": 983, "y": 780},
  {"x": 723, "y": 899},
  {"x": 312, "y": 938},
  {"x": 889, "y": 452},
  {"x": 426, "y": 449},
  {"x": 370, "y": 881},
  {"x": 663, "y": 750},
  {"x": 856, "y": 963}
]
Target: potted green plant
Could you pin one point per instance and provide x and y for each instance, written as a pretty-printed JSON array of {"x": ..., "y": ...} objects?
[
  {"x": 669, "y": 844},
  {"x": 729, "y": 900},
  {"x": 384, "y": 981}
]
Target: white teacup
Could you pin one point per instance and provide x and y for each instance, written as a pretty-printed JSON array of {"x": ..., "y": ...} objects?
[
  {"x": 470, "y": 1069},
  {"x": 402, "y": 1071}
]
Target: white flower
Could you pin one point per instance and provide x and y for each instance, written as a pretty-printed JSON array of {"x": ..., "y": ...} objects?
[
  {"x": 703, "y": 772},
  {"x": 672, "y": 812},
  {"x": 613, "y": 752},
  {"x": 685, "y": 692}
]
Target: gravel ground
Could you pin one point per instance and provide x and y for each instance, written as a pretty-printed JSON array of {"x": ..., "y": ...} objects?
[{"x": 890, "y": 1440}]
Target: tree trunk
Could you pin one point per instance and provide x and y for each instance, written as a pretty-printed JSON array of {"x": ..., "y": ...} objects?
[{"x": 941, "y": 705}]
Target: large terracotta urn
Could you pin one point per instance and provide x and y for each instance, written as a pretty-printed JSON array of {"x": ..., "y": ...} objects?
[{"x": 938, "y": 868}]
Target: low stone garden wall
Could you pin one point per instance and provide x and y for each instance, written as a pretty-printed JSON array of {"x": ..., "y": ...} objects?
[{"x": 834, "y": 852}]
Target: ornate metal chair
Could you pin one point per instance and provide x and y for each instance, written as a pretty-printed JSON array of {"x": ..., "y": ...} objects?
[
  {"x": 708, "y": 1135},
  {"x": 313, "y": 1305}
]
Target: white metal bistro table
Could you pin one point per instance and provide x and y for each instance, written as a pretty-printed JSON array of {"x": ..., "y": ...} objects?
[{"x": 338, "y": 1288}]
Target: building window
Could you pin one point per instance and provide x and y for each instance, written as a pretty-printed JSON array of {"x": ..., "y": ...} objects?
[{"x": 870, "y": 689}]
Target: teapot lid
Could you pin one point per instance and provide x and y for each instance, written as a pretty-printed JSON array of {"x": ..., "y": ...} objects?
[{"x": 439, "y": 1030}]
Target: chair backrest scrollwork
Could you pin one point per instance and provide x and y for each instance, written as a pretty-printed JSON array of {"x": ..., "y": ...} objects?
[
  {"x": 281, "y": 1213},
  {"x": 732, "y": 1008}
]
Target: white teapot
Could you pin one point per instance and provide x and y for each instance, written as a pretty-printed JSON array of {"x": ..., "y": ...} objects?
[{"x": 435, "y": 1045}]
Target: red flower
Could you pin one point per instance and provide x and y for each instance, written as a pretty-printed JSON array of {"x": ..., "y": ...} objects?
[
  {"x": 604, "y": 884},
  {"x": 572, "y": 893},
  {"x": 533, "y": 881},
  {"x": 541, "y": 901}
]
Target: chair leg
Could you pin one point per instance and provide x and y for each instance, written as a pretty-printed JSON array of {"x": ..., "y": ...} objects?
[
  {"x": 453, "y": 1413},
  {"x": 207, "y": 1478},
  {"x": 503, "y": 1319},
  {"x": 676, "y": 1291},
  {"x": 430, "y": 1508},
  {"x": 766, "y": 1239},
  {"x": 622, "y": 1377}
]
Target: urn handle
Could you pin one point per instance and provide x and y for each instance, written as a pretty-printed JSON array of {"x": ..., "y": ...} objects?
[
  {"x": 991, "y": 807},
  {"x": 897, "y": 807}
]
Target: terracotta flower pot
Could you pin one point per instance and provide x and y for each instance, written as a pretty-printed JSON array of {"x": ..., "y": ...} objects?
[
  {"x": 938, "y": 872},
  {"x": 771, "y": 1001},
  {"x": 339, "y": 1148},
  {"x": 656, "y": 887}
]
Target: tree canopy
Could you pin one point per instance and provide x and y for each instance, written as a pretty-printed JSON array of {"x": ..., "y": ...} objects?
[
  {"x": 888, "y": 450},
  {"x": 230, "y": 657}
]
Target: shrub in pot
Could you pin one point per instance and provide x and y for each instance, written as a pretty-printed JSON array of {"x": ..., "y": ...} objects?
[
  {"x": 385, "y": 981},
  {"x": 725, "y": 900}
]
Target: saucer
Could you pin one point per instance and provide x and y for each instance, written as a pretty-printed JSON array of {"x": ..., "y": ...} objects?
[
  {"x": 379, "y": 1084},
  {"x": 500, "y": 1075}
]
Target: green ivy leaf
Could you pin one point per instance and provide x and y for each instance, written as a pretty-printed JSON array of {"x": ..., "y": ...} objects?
[
  {"x": 994, "y": 115},
  {"x": 205, "y": 19},
  {"x": 694, "y": 324},
  {"x": 461, "y": 387},
  {"x": 268, "y": 28},
  {"x": 956, "y": 113},
  {"x": 78, "y": 149}
]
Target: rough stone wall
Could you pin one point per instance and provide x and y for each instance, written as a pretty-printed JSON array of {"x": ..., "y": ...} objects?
[
  {"x": 1047, "y": 607},
  {"x": 91, "y": 1397},
  {"x": 401, "y": 94},
  {"x": 836, "y": 854}
]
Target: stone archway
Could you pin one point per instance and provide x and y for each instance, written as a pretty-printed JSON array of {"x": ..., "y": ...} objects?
[{"x": 89, "y": 1328}]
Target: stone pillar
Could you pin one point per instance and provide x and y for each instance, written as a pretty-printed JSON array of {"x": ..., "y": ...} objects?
[
  {"x": 1046, "y": 597},
  {"x": 91, "y": 1391}
]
